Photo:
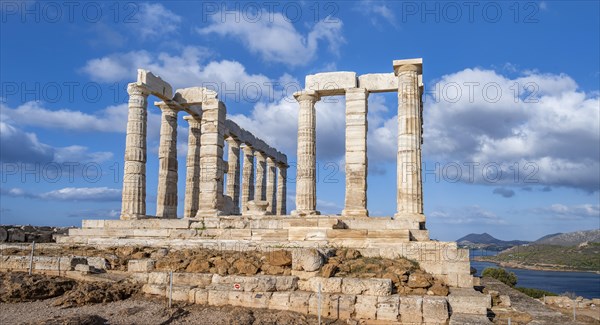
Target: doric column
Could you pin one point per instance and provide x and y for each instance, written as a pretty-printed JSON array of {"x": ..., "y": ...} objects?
[
  {"x": 233, "y": 173},
  {"x": 410, "y": 192},
  {"x": 271, "y": 183},
  {"x": 281, "y": 189},
  {"x": 166, "y": 195},
  {"x": 261, "y": 176},
  {"x": 306, "y": 181},
  {"x": 356, "y": 153},
  {"x": 134, "y": 176},
  {"x": 211, "y": 158},
  {"x": 192, "y": 176},
  {"x": 247, "y": 177}
]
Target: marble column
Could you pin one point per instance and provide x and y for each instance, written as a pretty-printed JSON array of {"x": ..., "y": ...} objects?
[
  {"x": 306, "y": 181},
  {"x": 410, "y": 192},
  {"x": 233, "y": 173},
  {"x": 261, "y": 176},
  {"x": 281, "y": 189},
  {"x": 211, "y": 158},
  {"x": 271, "y": 183},
  {"x": 247, "y": 177},
  {"x": 166, "y": 195},
  {"x": 356, "y": 153},
  {"x": 192, "y": 176},
  {"x": 134, "y": 176}
]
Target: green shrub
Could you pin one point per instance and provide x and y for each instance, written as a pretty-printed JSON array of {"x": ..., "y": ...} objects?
[
  {"x": 500, "y": 274},
  {"x": 535, "y": 293}
]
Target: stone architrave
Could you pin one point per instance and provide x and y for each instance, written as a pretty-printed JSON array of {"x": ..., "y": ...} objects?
[
  {"x": 211, "y": 158},
  {"x": 409, "y": 196},
  {"x": 247, "y": 177},
  {"x": 271, "y": 185},
  {"x": 233, "y": 173},
  {"x": 306, "y": 181},
  {"x": 192, "y": 176},
  {"x": 134, "y": 176},
  {"x": 166, "y": 203},
  {"x": 281, "y": 189},
  {"x": 356, "y": 153},
  {"x": 260, "y": 193}
]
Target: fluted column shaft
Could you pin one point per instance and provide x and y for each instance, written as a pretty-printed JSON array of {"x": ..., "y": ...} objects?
[
  {"x": 306, "y": 181},
  {"x": 192, "y": 176},
  {"x": 247, "y": 177},
  {"x": 281, "y": 189},
  {"x": 356, "y": 153},
  {"x": 166, "y": 195},
  {"x": 233, "y": 173},
  {"x": 260, "y": 193},
  {"x": 271, "y": 183},
  {"x": 134, "y": 176},
  {"x": 211, "y": 158},
  {"x": 410, "y": 192}
]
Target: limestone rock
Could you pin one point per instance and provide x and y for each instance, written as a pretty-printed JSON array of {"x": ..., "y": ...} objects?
[
  {"x": 198, "y": 266},
  {"x": 280, "y": 258},
  {"x": 245, "y": 267},
  {"x": 438, "y": 290},
  {"x": 420, "y": 280},
  {"x": 328, "y": 270},
  {"x": 306, "y": 260}
]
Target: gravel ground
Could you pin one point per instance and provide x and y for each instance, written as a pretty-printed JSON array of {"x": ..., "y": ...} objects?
[{"x": 145, "y": 310}]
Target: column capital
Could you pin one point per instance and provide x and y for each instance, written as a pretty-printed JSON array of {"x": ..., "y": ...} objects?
[
  {"x": 307, "y": 95},
  {"x": 192, "y": 119},
  {"x": 168, "y": 108},
  {"x": 135, "y": 88},
  {"x": 260, "y": 155},
  {"x": 282, "y": 165},
  {"x": 233, "y": 141},
  {"x": 408, "y": 65},
  {"x": 248, "y": 150}
]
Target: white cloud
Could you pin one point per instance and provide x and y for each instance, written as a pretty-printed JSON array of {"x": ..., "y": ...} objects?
[
  {"x": 551, "y": 136},
  {"x": 377, "y": 10},
  {"x": 466, "y": 215},
  {"x": 275, "y": 38},
  {"x": 153, "y": 20},
  {"x": 70, "y": 194},
  {"x": 564, "y": 212},
  {"x": 186, "y": 69}
]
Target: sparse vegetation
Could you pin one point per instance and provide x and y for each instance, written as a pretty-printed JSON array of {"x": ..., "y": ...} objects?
[
  {"x": 500, "y": 274},
  {"x": 535, "y": 293}
]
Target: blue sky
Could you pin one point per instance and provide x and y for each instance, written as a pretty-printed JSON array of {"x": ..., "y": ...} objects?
[{"x": 511, "y": 113}]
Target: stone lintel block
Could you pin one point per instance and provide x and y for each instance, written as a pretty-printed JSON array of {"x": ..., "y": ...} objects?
[
  {"x": 143, "y": 265},
  {"x": 378, "y": 82},
  {"x": 194, "y": 95},
  {"x": 418, "y": 62},
  {"x": 388, "y": 308},
  {"x": 331, "y": 83},
  {"x": 155, "y": 84}
]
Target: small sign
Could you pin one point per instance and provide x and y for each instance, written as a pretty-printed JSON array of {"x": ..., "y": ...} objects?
[{"x": 237, "y": 286}]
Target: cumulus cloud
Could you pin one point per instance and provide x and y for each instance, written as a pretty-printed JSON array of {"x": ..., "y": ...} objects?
[
  {"x": 153, "y": 20},
  {"x": 189, "y": 68},
  {"x": 275, "y": 38},
  {"x": 569, "y": 212},
  {"x": 69, "y": 194},
  {"x": 504, "y": 192},
  {"x": 546, "y": 134},
  {"x": 377, "y": 11},
  {"x": 466, "y": 215}
]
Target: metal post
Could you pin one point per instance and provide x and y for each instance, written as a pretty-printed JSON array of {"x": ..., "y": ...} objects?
[
  {"x": 509, "y": 321},
  {"x": 574, "y": 310},
  {"x": 319, "y": 304},
  {"x": 31, "y": 258},
  {"x": 170, "y": 288}
]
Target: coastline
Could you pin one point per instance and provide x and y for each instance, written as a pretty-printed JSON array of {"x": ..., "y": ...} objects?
[{"x": 528, "y": 267}]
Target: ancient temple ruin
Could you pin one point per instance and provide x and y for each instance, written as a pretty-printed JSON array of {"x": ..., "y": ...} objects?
[{"x": 253, "y": 214}]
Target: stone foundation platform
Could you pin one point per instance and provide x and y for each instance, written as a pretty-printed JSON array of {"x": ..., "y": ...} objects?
[{"x": 373, "y": 237}]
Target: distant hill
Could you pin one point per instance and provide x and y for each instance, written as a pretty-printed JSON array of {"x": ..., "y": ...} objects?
[
  {"x": 487, "y": 241},
  {"x": 571, "y": 238},
  {"x": 548, "y": 236}
]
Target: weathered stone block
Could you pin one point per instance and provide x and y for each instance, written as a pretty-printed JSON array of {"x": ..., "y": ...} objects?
[
  {"x": 306, "y": 259},
  {"x": 158, "y": 278},
  {"x": 143, "y": 265},
  {"x": 280, "y": 301},
  {"x": 435, "y": 310},
  {"x": 328, "y": 285},
  {"x": 388, "y": 308},
  {"x": 180, "y": 293},
  {"x": 200, "y": 296},
  {"x": 365, "y": 307},
  {"x": 154, "y": 289},
  {"x": 192, "y": 279},
  {"x": 469, "y": 301},
  {"x": 411, "y": 311},
  {"x": 299, "y": 301},
  {"x": 218, "y": 298},
  {"x": 341, "y": 306},
  {"x": 372, "y": 287}
]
